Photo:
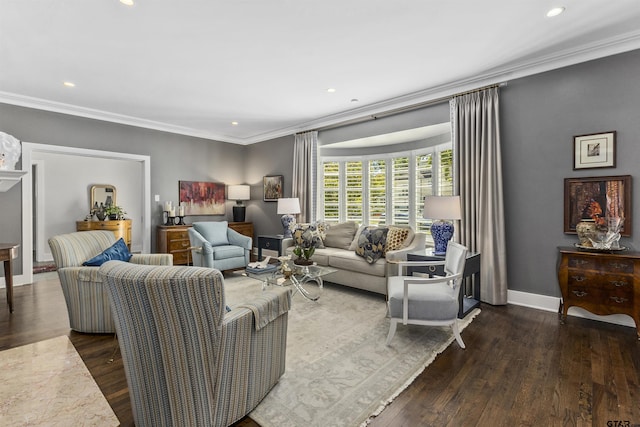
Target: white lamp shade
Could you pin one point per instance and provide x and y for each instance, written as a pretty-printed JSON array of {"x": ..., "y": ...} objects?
[
  {"x": 442, "y": 207},
  {"x": 239, "y": 192},
  {"x": 288, "y": 206}
]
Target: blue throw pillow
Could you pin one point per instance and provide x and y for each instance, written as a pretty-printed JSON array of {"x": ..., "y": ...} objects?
[{"x": 118, "y": 252}]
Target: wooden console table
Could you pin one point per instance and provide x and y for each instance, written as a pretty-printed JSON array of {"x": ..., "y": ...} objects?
[
  {"x": 468, "y": 300},
  {"x": 121, "y": 228},
  {"x": 601, "y": 283},
  {"x": 9, "y": 252},
  {"x": 174, "y": 239}
]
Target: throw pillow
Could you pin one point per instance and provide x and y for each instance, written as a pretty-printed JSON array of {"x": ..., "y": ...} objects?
[
  {"x": 118, "y": 252},
  {"x": 354, "y": 242},
  {"x": 214, "y": 232},
  {"x": 307, "y": 236},
  {"x": 340, "y": 235},
  {"x": 371, "y": 243},
  {"x": 396, "y": 238}
]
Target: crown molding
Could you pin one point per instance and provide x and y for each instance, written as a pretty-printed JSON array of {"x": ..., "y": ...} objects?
[{"x": 587, "y": 52}]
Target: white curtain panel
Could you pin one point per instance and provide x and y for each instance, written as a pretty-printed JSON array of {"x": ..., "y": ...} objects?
[
  {"x": 304, "y": 173},
  {"x": 475, "y": 120}
]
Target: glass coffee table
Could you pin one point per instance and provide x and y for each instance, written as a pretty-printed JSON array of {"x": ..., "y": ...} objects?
[{"x": 305, "y": 279}]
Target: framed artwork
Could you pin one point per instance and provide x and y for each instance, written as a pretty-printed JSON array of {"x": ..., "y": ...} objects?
[
  {"x": 202, "y": 198},
  {"x": 597, "y": 198},
  {"x": 597, "y": 150},
  {"x": 273, "y": 187}
]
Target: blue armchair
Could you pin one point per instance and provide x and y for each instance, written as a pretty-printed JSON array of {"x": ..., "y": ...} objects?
[{"x": 215, "y": 245}]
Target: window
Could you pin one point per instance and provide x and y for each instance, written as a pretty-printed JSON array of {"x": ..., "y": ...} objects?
[{"x": 370, "y": 190}]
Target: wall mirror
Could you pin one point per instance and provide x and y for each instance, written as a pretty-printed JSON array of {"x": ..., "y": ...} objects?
[{"x": 102, "y": 195}]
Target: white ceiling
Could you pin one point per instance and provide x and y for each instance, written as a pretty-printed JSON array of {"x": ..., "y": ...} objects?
[{"x": 193, "y": 67}]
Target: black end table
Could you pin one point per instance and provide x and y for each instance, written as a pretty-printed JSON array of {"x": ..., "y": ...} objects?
[
  {"x": 270, "y": 242},
  {"x": 468, "y": 300}
]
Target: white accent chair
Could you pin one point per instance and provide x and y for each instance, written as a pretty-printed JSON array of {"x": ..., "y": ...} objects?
[{"x": 429, "y": 301}]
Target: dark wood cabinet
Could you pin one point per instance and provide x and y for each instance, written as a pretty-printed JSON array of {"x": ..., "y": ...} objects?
[
  {"x": 601, "y": 283},
  {"x": 174, "y": 239}
]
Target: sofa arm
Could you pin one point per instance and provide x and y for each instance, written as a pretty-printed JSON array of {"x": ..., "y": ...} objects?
[
  {"x": 418, "y": 243},
  {"x": 287, "y": 243},
  {"x": 152, "y": 259}
]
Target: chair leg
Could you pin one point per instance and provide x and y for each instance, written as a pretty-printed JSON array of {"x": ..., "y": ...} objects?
[
  {"x": 392, "y": 330},
  {"x": 456, "y": 333}
]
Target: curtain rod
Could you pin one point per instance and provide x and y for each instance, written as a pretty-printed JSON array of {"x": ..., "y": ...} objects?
[{"x": 405, "y": 109}]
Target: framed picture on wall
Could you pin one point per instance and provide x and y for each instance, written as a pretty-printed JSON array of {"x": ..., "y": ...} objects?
[
  {"x": 273, "y": 187},
  {"x": 202, "y": 198},
  {"x": 597, "y": 198},
  {"x": 597, "y": 150}
]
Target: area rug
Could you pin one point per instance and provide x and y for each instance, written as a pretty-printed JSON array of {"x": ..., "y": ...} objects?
[
  {"x": 339, "y": 372},
  {"x": 47, "y": 384}
]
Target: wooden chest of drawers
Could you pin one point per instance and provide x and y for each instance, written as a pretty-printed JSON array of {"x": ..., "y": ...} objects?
[
  {"x": 174, "y": 239},
  {"x": 602, "y": 283},
  {"x": 121, "y": 228}
]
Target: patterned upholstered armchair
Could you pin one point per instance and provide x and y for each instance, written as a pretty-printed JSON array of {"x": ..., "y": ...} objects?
[
  {"x": 215, "y": 245},
  {"x": 189, "y": 361},
  {"x": 83, "y": 290}
]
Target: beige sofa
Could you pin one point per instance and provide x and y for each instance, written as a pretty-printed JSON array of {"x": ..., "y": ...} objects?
[{"x": 354, "y": 270}]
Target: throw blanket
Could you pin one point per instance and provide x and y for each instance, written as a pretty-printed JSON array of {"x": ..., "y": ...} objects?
[{"x": 265, "y": 308}]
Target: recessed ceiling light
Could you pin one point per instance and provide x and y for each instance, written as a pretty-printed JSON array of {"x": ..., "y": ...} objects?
[
  {"x": 69, "y": 84},
  {"x": 234, "y": 123},
  {"x": 555, "y": 12},
  {"x": 331, "y": 90},
  {"x": 354, "y": 100},
  {"x": 127, "y": 2}
]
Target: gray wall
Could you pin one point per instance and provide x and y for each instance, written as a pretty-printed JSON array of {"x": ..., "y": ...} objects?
[{"x": 540, "y": 115}]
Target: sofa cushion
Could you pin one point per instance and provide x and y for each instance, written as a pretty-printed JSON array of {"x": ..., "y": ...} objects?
[
  {"x": 349, "y": 261},
  {"x": 227, "y": 251},
  {"x": 341, "y": 235},
  {"x": 118, "y": 252},
  {"x": 371, "y": 243},
  {"x": 214, "y": 232},
  {"x": 396, "y": 238}
]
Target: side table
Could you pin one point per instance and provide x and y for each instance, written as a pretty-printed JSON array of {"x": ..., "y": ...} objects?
[
  {"x": 270, "y": 242},
  {"x": 8, "y": 252},
  {"x": 468, "y": 300}
]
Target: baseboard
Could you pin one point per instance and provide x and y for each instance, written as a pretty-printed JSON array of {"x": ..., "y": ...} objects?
[{"x": 547, "y": 303}]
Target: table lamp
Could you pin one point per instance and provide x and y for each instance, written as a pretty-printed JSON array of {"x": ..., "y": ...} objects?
[
  {"x": 288, "y": 208},
  {"x": 239, "y": 193},
  {"x": 441, "y": 209}
]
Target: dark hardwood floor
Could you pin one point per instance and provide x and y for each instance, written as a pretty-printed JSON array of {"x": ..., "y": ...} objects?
[{"x": 521, "y": 368}]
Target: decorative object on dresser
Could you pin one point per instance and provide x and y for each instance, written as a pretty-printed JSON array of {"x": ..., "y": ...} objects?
[
  {"x": 602, "y": 283},
  {"x": 287, "y": 208},
  {"x": 202, "y": 198},
  {"x": 598, "y": 198},
  {"x": 239, "y": 193},
  {"x": 597, "y": 150},
  {"x": 273, "y": 187},
  {"x": 120, "y": 228},
  {"x": 174, "y": 240},
  {"x": 440, "y": 209}
]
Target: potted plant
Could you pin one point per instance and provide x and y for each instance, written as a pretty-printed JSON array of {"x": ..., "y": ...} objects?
[
  {"x": 304, "y": 254},
  {"x": 305, "y": 245},
  {"x": 114, "y": 212}
]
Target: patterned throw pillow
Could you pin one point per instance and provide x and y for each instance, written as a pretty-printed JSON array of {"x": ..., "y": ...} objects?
[
  {"x": 371, "y": 243},
  {"x": 306, "y": 236},
  {"x": 396, "y": 238}
]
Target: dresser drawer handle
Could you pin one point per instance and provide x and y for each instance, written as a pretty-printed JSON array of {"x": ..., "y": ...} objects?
[
  {"x": 579, "y": 293},
  {"x": 582, "y": 261},
  {"x": 185, "y": 244},
  {"x": 617, "y": 265},
  {"x": 618, "y": 283},
  {"x": 433, "y": 268},
  {"x": 578, "y": 278},
  {"x": 619, "y": 300},
  {"x": 267, "y": 244}
]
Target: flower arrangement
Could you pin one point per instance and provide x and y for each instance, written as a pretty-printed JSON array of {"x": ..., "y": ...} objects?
[
  {"x": 306, "y": 242},
  {"x": 114, "y": 212}
]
